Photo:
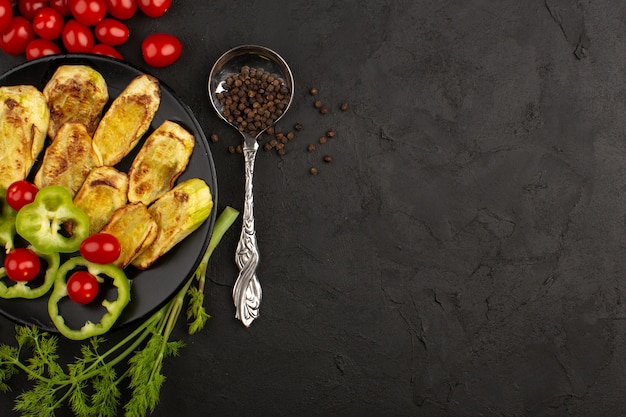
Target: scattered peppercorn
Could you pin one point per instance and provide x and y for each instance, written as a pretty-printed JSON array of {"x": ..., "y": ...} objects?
[
  {"x": 330, "y": 134},
  {"x": 328, "y": 158},
  {"x": 214, "y": 138},
  {"x": 344, "y": 106},
  {"x": 267, "y": 146},
  {"x": 324, "y": 110},
  {"x": 239, "y": 149},
  {"x": 290, "y": 135},
  {"x": 322, "y": 140},
  {"x": 279, "y": 135},
  {"x": 298, "y": 126},
  {"x": 311, "y": 148},
  {"x": 282, "y": 152},
  {"x": 313, "y": 171},
  {"x": 231, "y": 149},
  {"x": 317, "y": 104},
  {"x": 313, "y": 91},
  {"x": 270, "y": 130}
]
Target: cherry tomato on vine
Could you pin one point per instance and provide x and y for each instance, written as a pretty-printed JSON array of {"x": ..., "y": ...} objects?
[
  {"x": 82, "y": 287},
  {"x": 61, "y": 6},
  {"x": 161, "y": 49},
  {"x": 77, "y": 37},
  {"x": 100, "y": 248},
  {"x": 28, "y": 8},
  {"x": 48, "y": 23},
  {"x": 22, "y": 264},
  {"x": 6, "y": 14},
  {"x": 14, "y": 39},
  {"x": 21, "y": 193},
  {"x": 121, "y": 9},
  {"x": 154, "y": 8},
  {"x": 41, "y": 47},
  {"x": 88, "y": 12},
  {"x": 106, "y": 50},
  {"x": 111, "y": 32}
]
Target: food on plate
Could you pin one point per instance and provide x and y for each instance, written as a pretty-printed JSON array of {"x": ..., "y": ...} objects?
[
  {"x": 128, "y": 118},
  {"x": 68, "y": 159},
  {"x": 177, "y": 213},
  {"x": 109, "y": 274},
  {"x": 100, "y": 248},
  {"x": 20, "y": 193},
  {"x": 160, "y": 161},
  {"x": 104, "y": 191},
  {"x": 24, "y": 118},
  {"x": 7, "y": 222},
  {"x": 52, "y": 223},
  {"x": 28, "y": 289},
  {"x": 135, "y": 229},
  {"x": 75, "y": 93}
]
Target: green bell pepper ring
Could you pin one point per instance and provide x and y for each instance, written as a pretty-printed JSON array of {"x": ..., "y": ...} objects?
[
  {"x": 52, "y": 223},
  {"x": 23, "y": 289},
  {"x": 114, "y": 308},
  {"x": 7, "y": 222}
]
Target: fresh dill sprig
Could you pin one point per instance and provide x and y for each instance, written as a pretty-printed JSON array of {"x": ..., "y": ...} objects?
[{"x": 90, "y": 385}]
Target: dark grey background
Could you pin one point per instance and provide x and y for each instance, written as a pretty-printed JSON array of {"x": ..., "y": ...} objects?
[{"x": 464, "y": 253}]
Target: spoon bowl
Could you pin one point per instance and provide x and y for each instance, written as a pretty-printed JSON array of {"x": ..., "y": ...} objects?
[
  {"x": 253, "y": 56},
  {"x": 247, "y": 291}
]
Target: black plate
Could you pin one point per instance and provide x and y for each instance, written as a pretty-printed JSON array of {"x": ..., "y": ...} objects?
[{"x": 152, "y": 288}]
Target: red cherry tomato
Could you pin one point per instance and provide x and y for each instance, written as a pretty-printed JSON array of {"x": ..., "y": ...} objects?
[
  {"x": 154, "y": 8},
  {"x": 112, "y": 32},
  {"x": 121, "y": 9},
  {"x": 106, "y": 50},
  {"x": 14, "y": 39},
  {"x": 100, "y": 248},
  {"x": 82, "y": 287},
  {"x": 6, "y": 14},
  {"x": 41, "y": 47},
  {"x": 28, "y": 8},
  {"x": 22, "y": 264},
  {"x": 161, "y": 49},
  {"x": 48, "y": 23},
  {"x": 88, "y": 12},
  {"x": 61, "y": 6},
  {"x": 77, "y": 37},
  {"x": 20, "y": 193}
]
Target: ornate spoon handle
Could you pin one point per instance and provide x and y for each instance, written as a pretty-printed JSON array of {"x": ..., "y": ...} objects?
[{"x": 247, "y": 290}]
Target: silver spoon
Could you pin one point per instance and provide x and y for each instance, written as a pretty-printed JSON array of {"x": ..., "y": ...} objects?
[{"x": 247, "y": 290}]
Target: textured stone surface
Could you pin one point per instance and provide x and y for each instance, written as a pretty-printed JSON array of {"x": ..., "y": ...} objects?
[{"x": 464, "y": 253}]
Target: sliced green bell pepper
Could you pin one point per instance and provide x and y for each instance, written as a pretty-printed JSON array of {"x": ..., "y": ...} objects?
[
  {"x": 23, "y": 289},
  {"x": 114, "y": 308},
  {"x": 7, "y": 222},
  {"x": 52, "y": 223}
]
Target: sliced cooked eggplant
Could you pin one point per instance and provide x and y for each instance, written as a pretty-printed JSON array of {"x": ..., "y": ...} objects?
[
  {"x": 135, "y": 229},
  {"x": 24, "y": 119},
  {"x": 75, "y": 93},
  {"x": 103, "y": 192},
  {"x": 128, "y": 118},
  {"x": 162, "y": 158},
  {"x": 69, "y": 158},
  {"x": 177, "y": 213}
]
